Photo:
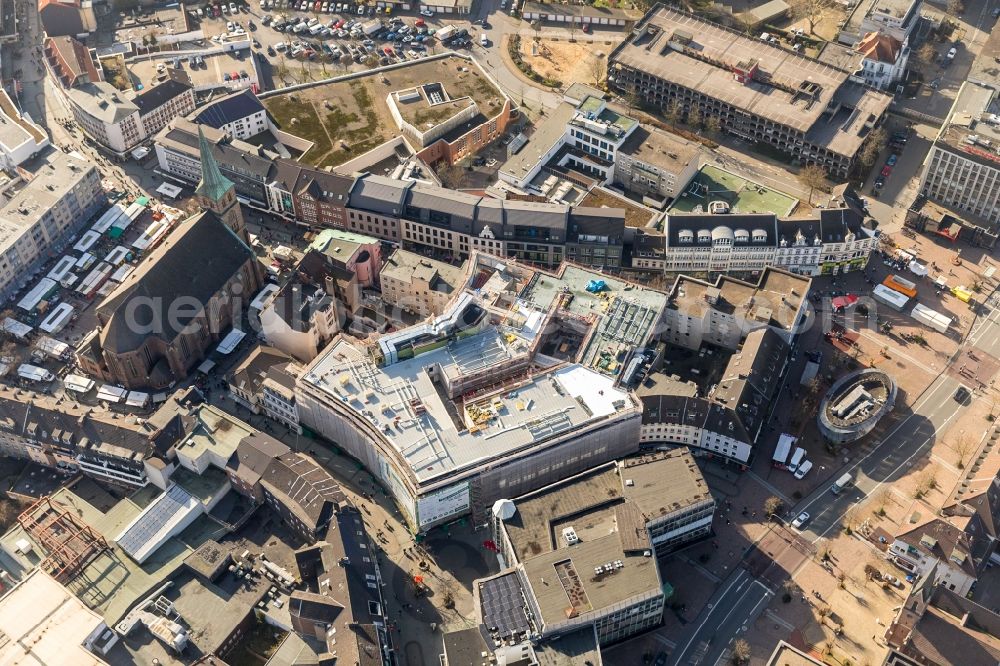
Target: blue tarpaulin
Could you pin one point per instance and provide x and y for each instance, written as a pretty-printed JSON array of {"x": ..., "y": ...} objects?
[{"x": 596, "y": 286}]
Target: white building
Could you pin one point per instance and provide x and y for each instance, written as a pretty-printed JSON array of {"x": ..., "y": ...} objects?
[
  {"x": 386, "y": 414},
  {"x": 45, "y": 623},
  {"x": 936, "y": 544},
  {"x": 897, "y": 18},
  {"x": 839, "y": 241},
  {"x": 20, "y": 138},
  {"x": 584, "y": 136},
  {"x": 40, "y": 217},
  {"x": 240, "y": 115},
  {"x": 106, "y": 116},
  {"x": 962, "y": 169},
  {"x": 119, "y": 123},
  {"x": 883, "y": 60}
]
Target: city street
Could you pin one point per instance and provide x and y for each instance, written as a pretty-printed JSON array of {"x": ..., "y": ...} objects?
[
  {"x": 738, "y": 602},
  {"x": 894, "y": 456}
]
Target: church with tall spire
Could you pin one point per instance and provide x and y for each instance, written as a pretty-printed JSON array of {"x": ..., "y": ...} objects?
[{"x": 217, "y": 193}]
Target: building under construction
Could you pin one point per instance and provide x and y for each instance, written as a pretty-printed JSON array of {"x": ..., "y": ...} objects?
[{"x": 68, "y": 544}]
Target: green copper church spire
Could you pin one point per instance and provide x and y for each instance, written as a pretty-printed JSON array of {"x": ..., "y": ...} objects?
[{"x": 213, "y": 185}]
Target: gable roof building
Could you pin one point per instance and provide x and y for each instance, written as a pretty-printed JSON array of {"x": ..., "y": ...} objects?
[
  {"x": 66, "y": 17},
  {"x": 202, "y": 261}
]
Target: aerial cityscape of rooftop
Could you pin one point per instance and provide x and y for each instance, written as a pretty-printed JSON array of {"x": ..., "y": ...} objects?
[{"x": 500, "y": 332}]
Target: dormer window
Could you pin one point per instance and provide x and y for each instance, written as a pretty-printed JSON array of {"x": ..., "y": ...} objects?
[{"x": 685, "y": 236}]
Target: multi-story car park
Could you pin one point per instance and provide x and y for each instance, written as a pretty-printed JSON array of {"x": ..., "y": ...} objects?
[
  {"x": 448, "y": 415},
  {"x": 759, "y": 92}
]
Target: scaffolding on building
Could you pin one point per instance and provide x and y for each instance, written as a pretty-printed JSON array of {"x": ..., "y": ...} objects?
[{"x": 68, "y": 543}]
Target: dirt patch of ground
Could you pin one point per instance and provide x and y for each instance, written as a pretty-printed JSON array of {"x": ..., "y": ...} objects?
[
  {"x": 826, "y": 25},
  {"x": 565, "y": 61}
]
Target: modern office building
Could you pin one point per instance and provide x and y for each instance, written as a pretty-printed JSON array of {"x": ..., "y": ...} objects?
[
  {"x": 41, "y": 213},
  {"x": 962, "y": 168},
  {"x": 584, "y": 136},
  {"x": 579, "y": 552},
  {"x": 758, "y": 92}
]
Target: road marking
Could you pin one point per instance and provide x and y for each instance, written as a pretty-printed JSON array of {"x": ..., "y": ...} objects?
[
  {"x": 878, "y": 485},
  {"x": 777, "y": 620},
  {"x": 767, "y": 485},
  {"x": 741, "y": 578},
  {"x": 669, "y": 643},
  {"x": 920, "y": 402}
]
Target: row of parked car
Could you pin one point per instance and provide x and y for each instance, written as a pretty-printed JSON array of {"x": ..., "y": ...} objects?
[
  {"x": 322, "y": 7},
  {"x": 897, "y": 143},
  {"x": 219, "y": 10}
]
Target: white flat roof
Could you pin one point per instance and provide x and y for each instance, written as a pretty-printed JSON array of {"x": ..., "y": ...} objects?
[
  {"x": 404, "y": 404},
  {"x": 44, "y": 624}
]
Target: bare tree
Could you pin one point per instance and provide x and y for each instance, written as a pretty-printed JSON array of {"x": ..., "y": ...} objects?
[
  {"x": 850, "y": 517},
  {"x": 963, "y": 447},
  {"x": 811, "y": 11},
  {"x": 873, "y": 147},
  {"x": 882, "y": 498},
  {"x": 812, "y": 176},
  {"x": 772, "y": 505},
  {"x": 694, "y": 117},
  {"x": 673, "y": 113},
  {"x": 598, "y": 69},
  {"x": 713, "y": 124},
  {"x": 955, "y": 7},
  {"x": 926, "y": 54},
  {"x": 741, "y": 652}
]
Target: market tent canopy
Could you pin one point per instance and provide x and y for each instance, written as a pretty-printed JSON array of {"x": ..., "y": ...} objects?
[
  {"x": 229, "y": 342},
  {"x": 168, "y": 190}
]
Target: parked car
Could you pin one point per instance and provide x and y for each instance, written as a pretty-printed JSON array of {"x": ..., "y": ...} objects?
[
  {"x": 892, "y": 159},
  {"x": 800, "y": 520},
  {"x": 952, "y": 52},
  {"x": 426, "y": 12},
  {"x": 886, "y": 171}
]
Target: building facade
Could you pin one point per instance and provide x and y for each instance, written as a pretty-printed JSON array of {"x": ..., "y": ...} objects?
[
  {"x": 419, "y": 284},
  {"x": 40, "y": 217},
  {"x": 836, "y": 241},
  {"x": 883, "y": 60}
]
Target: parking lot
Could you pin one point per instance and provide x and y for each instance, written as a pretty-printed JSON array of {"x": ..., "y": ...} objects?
[{"x": 306, "y": 41}]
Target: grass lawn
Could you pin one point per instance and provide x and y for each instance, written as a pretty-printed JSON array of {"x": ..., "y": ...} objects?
[{"x": 743, "y": 195}]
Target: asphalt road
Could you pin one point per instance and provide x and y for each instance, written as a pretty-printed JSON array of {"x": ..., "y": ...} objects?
[
  {"x": 732, "y": 608},
  {"x": 891, "y": 459}
]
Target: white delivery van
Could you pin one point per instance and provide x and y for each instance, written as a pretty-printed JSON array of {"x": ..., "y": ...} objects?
[
  {"x": 841, "y": 483},
  {"x": 803, "y": 469},
  {"x": 797, "y": 459}
]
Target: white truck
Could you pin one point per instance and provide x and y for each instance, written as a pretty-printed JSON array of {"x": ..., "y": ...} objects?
[
  {"x": 34, "y": 373},
  {"x": 371, "y": 27},
  {"x": 445, "y": 33},
  {"x": 784, "y": 446},
  {"x": 932, "y": 318}
]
